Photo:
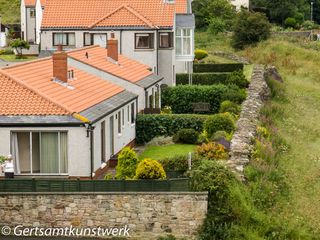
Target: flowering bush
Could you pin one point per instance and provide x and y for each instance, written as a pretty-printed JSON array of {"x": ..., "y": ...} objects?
[{"x": 212, "y": 151}]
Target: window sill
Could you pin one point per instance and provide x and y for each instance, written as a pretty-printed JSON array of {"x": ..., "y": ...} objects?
[
  {"x": 144, "y": 49},
  {"x": 168, "y": 48}
]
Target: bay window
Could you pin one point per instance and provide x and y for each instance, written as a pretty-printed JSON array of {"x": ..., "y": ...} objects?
[
  {"x": 64, "y": 39},
  {"x": 144, "y": 40},
  {"x": 183, "y": 42},
  {"x": 40, "y": 152}
]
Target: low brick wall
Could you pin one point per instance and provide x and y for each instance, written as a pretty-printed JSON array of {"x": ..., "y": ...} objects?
[
  {"x": 242, "y": 141},
  {"x": 148, "y": 215}
]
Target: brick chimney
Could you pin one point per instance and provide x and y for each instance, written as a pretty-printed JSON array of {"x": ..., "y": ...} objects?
[
  {"x": 60, "y": 66},
  {"x": 112, "y": 46}
]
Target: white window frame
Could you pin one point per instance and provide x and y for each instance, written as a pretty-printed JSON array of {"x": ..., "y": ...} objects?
[
  {"x": 30, "y": 153},
  {"x": 181, "y": 38}
]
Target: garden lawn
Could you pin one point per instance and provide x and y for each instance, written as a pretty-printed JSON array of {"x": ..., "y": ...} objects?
[
  {"x": 161, "y": 152},
  {"x": 12, "y": 58}
]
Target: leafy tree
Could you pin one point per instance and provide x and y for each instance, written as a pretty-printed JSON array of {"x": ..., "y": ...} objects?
[
  {"x": 250, "y": 28},
  {"x": 282, "y": 9},
  {"x": 213, "y": 11},
  {"x": 19, "y": 45}
]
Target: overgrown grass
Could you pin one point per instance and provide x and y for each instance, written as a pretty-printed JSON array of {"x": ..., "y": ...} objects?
[
  {"x": 297, "y": 122},
  {"x": 161, "y": 152},
  {"x": 10, "y": 11}
]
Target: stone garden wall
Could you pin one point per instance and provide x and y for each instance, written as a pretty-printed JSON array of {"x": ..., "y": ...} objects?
[
  {"x": 242, "y": 141},
  {"x": 148, "y": 215}
]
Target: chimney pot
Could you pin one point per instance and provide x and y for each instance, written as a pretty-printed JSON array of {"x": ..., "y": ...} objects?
[
  {"x": 60, "y": 66},
  {"x": 112, "y": 47}
]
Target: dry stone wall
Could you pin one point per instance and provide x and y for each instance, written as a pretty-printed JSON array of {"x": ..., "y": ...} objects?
[
  {"x": 242, "y": 141},
  {"x": 147, "y": 215}
]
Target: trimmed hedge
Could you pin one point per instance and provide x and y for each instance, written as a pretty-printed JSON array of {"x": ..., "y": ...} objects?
[
  {"x": 149, "y": 126},
  {"x": 180, "y": 98},
  {"x": 237, "y": 78},
  {"x": 211, "y": 68},
  {"x": 201, "y": 78}
]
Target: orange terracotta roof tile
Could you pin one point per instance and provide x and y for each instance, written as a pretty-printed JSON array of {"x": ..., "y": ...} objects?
[
  {"x": 43, "y": 2},
  {"x": 17, "y": 99},
  {"x": 126, "y": 68},
  {"x": 30, "y": 2},
  {"x": 88, "y": 90},
  {"x": 123, "y": 16},
  {"x": 84, "y": 13}
]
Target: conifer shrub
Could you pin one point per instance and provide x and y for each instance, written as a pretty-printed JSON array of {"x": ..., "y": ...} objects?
[{"x": 150, "y": 169}]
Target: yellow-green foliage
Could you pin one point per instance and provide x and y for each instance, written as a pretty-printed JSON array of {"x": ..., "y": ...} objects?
[
  {"x": 200, "y": 54},
  {"x": 150, "y": 169},
  {"x": 127, "y": 164},
  {"x": 212, "y": 151}
]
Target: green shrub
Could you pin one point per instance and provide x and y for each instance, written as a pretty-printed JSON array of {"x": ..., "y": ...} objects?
[
  {"x": 217, "y": 25},
  {"x": 202, "y": 78},
  {"x": 250, "y": 28},
  {"x": 203, "y": 137},
  {"x": 160, "y": 141},
  {"x": 149, "y": 126},
  {"x": 217, "y": 68},
  {"x": 127, "y": 164},
  {"x": 200, "y": 54},
  {"x": 308, "y": 25},
  {"x": 108, "y": 176},
  {"x": 230, "y": 107},
  {"x": 180, "y": 98},
  {"x": 219, "y": 122},
  {"x": 290, "y": 22},
  {"x": 150, "y": 169},
  {"x": 212, "y": 151},
  {"x": 175, "y": 163},
  {"x": 2, "y": 159},
  {"x": 189, "y": 136},
  {"x": 237, "y": 78}
]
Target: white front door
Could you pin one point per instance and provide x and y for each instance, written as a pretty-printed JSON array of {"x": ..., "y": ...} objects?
[{"x": 100, "y": 39}]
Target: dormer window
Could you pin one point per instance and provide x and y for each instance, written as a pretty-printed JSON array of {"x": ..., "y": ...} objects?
[
  {"x": 32, "y": 12},
  {"x": 169, "y": 1}
]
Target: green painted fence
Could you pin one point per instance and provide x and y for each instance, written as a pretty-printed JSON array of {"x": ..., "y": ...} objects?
[{"x": 40, "y": 185}]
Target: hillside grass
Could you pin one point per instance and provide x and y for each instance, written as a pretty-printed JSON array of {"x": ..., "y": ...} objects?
[
  {"x": 299, "y": 125},
  {"x": 10, "y": 11}
]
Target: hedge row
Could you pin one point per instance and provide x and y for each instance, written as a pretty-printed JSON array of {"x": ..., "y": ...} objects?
[
  {"x": 149, "y": 126},
  {"x": 225, "y": 67},
  {"x": 237, "y": 78},
  {"x": 180, "y": 98}
]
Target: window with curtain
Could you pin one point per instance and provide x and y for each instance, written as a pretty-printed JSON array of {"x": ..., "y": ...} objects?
[
  {"x": 119, "y": 122},
  {"x": 133, "y": 113},
  {"x": 88, "y": 39},
  {"x": 183, "y": 42},
  {"x": 40, "y": 152},
  {"x": 64, "y": 39},
  {"x": 165, "y": 40},
  {"x": 144, "y": 40}
]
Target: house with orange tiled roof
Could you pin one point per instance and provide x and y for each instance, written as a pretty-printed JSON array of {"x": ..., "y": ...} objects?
[
  {"x": 61, "y": 117},
  {"x": 158, "y": 33},
  {"x": 31, "y": 12}
]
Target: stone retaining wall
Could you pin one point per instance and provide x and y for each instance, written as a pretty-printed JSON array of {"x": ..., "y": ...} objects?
[
  {"x": 241, "y": 143},
  {"x": 148, "y": 215}
]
